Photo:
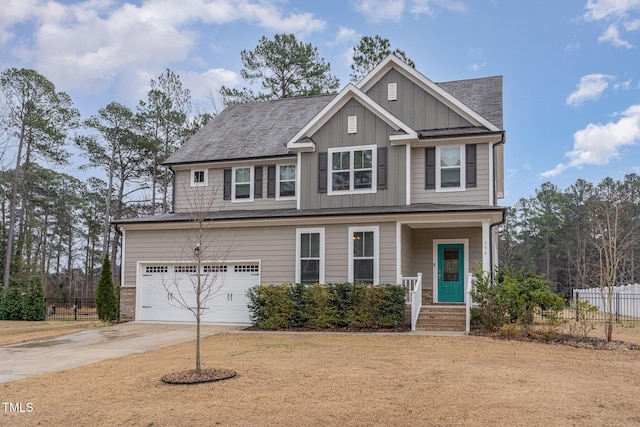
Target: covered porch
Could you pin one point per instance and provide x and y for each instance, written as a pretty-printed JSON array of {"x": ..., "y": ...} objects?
[{"x": 437, "y": 257}]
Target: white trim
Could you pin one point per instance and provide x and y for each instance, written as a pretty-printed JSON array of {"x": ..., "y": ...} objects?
[
  {"x": 486, "y": 249},
  {"x": 298, "y": 175},
  {"x": 376, "y": 250},
  {"x": 398, "y": 252},
  {"x": 465, "y": 249},
  {"x": 206, "y": 177},
  {"x": 463, "y": 181},
  {"x": 299, "y": 232},
  {"x": 123, "y": 258},
  {"x": 233, "y": 184},
  {"x": 492, "y": 174},
  {"x": 349, "y": 92},
  {"x": 352, "y": 190},
  {"x": 278, "y": 196},
  {"x": 407, "y": 172},
  {"x": 425, "y": 83}
]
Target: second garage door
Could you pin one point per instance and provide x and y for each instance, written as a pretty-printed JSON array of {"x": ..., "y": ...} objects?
[{"x": 162, "y": 287}]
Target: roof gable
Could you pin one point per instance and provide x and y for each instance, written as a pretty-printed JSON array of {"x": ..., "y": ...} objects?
[
  {"x": 300, "y": 139},
  {"x": 446, "y": 97}
]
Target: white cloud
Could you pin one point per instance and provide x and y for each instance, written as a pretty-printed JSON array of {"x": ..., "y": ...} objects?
[
  {"x": 616, "y": 13},
  {"x": 346, "y": 35},
  {"x": 429, "y": 7},
  {"x": 598, "y": 144},
  {"x": 380, "y": 10},
  {"x": 93, "y": 45},
  {"x": 603, "y": 9},
  {"x": 612, "y": 35},
  {"x": 590, "y": 88}
]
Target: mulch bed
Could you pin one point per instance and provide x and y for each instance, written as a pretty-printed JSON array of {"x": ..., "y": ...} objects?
[
  {"x": 194, "y": 377},
  {"x": 570, "y": 340},
  {"x": 343, "y": 329}
]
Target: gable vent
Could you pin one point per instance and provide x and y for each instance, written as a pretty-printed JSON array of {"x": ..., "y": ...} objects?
[
  {"x": 392, "y": 92},
  {"x": 352, "y": 124}
]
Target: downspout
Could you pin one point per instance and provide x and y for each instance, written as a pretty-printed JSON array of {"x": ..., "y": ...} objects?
[{"x": 495, "y": 203}]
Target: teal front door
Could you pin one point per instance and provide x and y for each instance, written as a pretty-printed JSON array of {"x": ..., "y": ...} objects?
[{"x": 451, "y": 272}]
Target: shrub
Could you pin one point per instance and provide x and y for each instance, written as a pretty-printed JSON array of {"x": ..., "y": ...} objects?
[
  {"x": 586, "y": 313},
  {"x": 514, "y": 297},
  {"x": 319, "y": 311},
  {"x": 271, "y": 307},
  {"x": 34, "y": 305},
  {"x": 319, "y": 306},
  {"x": 106, "y": 298},
  {"x": 13, "y": 302}
]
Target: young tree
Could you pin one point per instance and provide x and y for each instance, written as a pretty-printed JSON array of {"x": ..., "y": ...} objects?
[
  {"x": 204, "y": 252},
  {"x": 106, "y": 298},
  {"x": 612, "y": 236},
  {"x": 370, "y": 52},
  {"x": 286, "y": 68},
  {"x": 37, "y": 118}
]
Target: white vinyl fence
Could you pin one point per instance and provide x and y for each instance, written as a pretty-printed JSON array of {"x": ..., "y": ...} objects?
[{"x": 625, "y": 304}]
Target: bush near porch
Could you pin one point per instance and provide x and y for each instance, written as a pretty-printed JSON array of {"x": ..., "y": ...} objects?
[
  {"x": 511, "y": 300},
  {"x": 327, "y": 306}
]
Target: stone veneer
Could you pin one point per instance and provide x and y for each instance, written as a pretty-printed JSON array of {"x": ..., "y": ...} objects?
[{"x": 127, "y": 303}]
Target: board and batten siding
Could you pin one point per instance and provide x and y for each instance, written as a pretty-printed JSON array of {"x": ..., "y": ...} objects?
[
  {"x": 414, "y": 106},
  {"x": 423, "y": 248},
  {"x": 478, "y": 195},
  {"x": 372, "y": 130},
  {"x": 274, "y": 247},
  {"x": 186, "y": 195}
]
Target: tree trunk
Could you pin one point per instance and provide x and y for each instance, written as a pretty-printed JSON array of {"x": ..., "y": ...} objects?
[{"x": 12, "y": 211}]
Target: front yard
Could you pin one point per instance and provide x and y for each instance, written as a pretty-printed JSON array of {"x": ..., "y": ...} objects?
[{"x": 346, "y": 379}]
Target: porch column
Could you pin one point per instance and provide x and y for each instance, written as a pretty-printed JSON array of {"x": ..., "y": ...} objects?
[{"x": 486, "y": 246}]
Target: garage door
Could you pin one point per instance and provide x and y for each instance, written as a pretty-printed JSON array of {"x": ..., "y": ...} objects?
[{"x": 164, "y": 290}]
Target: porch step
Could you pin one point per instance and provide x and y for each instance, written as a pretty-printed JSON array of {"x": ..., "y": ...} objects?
[{"x": 435, "y": 317}]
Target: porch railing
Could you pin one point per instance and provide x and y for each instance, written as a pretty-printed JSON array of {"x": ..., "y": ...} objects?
[
  {"x": 414, "y": 297},
  {"x": 469, "y": 303}
]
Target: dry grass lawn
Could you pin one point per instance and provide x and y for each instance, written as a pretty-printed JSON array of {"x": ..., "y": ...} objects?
[{"x": 302, "y": 379}]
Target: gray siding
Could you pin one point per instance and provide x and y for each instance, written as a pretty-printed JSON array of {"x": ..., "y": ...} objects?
[
  {"x": 471, "y": 196},
  {"x": 186, "y": 195},
  {"x": 371, "y": 131},
  {"x": 415, "y": 107},
  {"x": 423, "y": 249},
  {"x": 275, "y": 247}
]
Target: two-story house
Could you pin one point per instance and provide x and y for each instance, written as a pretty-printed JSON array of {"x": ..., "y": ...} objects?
[{"x": 391, "y": 179}]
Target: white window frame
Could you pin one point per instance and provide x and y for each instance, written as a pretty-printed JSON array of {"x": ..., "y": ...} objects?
[
  {"x": 351, "y": 150},
  {"x": 234, "y": 183},
  {"x": 295, "y": 181},
  {"x": 299, "y": 233},
  {"x": 463, "y": 163},
  {"x": 376, "y": 251},
  {"x": 193, "y": 175}
]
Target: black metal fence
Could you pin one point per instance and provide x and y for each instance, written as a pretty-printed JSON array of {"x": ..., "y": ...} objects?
[
  {"x": 71, "y": 309},
  {"x": 624, "y": 307}
]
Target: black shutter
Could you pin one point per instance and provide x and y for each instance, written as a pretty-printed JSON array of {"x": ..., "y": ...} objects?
[
  {"x": 322, "y": 172},
  {"x": 257, "y": 182},
  {"x": 471, "y": 165},
  {"x": 271, "y": 182},
  {"x": 430, "y": 168},
  {"x": 382, "y": 168},
  {"x": 227, "y": 184}
]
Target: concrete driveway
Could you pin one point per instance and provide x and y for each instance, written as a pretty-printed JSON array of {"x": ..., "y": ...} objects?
[{"x": 32, "y": 358}]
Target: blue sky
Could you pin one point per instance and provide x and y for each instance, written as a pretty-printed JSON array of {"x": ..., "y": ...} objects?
[{"x": 571, "y": 68}]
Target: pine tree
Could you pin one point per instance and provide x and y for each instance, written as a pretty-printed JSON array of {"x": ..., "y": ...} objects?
[{"x": 106, "y": 299}]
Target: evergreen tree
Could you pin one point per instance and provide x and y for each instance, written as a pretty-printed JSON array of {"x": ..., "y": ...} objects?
[
  {"x": 35, "y": 307},
  {"x": 106, "y": 299}
]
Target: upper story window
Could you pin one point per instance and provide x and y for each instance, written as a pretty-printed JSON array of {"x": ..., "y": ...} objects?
[
  {"x": 352, "y": 169},
  {"x": 199, "y": 178},
  {"x": 242, "y": 184},
  {"x": 450, "y": 163},
  {"x": 286, "y": 184}
]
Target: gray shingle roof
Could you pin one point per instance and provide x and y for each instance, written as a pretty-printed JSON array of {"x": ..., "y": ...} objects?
[
  {"x": 262, "y": 129},
  {"x": 483, "y": 95},
  {"x": 257, "y": 129}
]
